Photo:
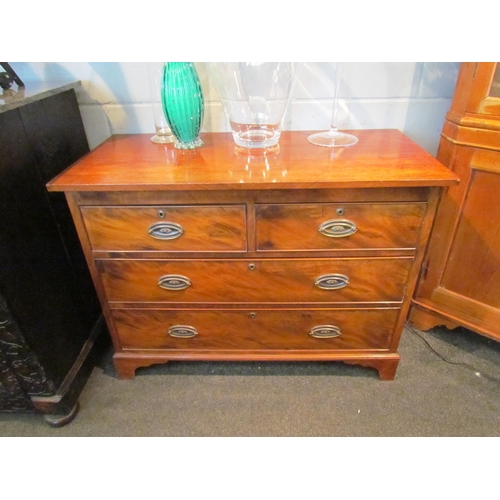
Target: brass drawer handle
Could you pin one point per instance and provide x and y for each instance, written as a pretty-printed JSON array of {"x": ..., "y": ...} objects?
[
  {"x": 182, "y": 331},
  {"x": 325, "y": 332},
  {"x": 174, "y": 282},
  {"x": 332, "y": 281},
  {"x": 166, "y": 231},
  {"x": 337, "y": 228}
]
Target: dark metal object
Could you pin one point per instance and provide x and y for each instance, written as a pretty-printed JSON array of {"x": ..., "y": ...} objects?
[
  {"x": 9, "y": 76},
  {"x": 62, "y": 420}
]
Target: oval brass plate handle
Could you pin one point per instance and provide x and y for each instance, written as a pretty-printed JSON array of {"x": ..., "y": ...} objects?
[
  {"x": 325, "y": 332},
  {"x": 166, "y": 231},
  {"x": 174, "y": 282},
  {"x": 337, "y": 228},
  {"x": 182, "y": 331},
  {"x": 332, "y": 281}
]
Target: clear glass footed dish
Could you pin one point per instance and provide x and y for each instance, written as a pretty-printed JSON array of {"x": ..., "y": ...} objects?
[{"x": 255, "y": 97}]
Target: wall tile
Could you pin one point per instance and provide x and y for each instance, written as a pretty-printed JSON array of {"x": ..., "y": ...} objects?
[
  {"x": 215, "y": 119},
  {"x": 359, "y": 80},
  {"x": 131, "y": 118},
  {"x": 316, "y": 114},
  {"x": 413, "y": 97},
  {"x": 438, "y": 79},
  {"x": 96, "y": 123},
  {"x": 424, "y": 122}
]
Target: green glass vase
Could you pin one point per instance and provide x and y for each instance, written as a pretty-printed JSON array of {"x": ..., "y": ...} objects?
[{"x": 182, "y": 102}]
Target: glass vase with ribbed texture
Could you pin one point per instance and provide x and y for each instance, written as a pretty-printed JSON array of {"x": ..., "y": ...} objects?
[{"x": 182, "y": 101}]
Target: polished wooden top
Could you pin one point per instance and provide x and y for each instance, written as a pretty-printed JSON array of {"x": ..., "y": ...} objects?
[{"x": 381, "y": 158}]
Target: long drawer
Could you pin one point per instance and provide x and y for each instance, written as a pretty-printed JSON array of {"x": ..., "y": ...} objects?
[
  {"x": 260, "y": 329},
  {"x": 167, "y": 228},
  {"x": 262, "y": 280},
  {"x": 327, "y": 226}
]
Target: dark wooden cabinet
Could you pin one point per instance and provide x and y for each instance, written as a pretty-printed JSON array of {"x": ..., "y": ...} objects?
[
  {"x": 460, "y": 280},
  {"x": 50, "y": 315}
]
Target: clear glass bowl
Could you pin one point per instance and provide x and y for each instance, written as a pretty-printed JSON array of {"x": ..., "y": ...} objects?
[{"x": 255, "y": 97}]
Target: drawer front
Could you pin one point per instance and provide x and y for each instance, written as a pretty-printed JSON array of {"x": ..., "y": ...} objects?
[
  {"x": 325, "y": 226},
  {"x": 266, "y": 280},
  {"x": 170, "y": 228},
  {"x": 259, "y": 329}
]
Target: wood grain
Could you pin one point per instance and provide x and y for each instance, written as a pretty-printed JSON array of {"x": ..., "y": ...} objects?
[
  {"x": 374, "y": 194},
  {"x": 295, "y": 226},
  {"x": 206, "y": 228},
  {"x": 384, "y": 362},
  {"x": 272, "y": 280},
  {"x": 133, "y": 162},
  {"x": 474, "y": 231},
  {"x": 259, "y": 329}
]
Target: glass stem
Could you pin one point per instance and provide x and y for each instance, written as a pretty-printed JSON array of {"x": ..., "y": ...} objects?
[{"x": 334, "y": 124}]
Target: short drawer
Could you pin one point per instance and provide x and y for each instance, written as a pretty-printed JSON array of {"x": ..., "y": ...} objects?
[
  {"x": 326, "y": 226},
  {"x": 262, "y": 280},
  {"x": 167, "y": 228},
  {"x": 258, "y": 329}
]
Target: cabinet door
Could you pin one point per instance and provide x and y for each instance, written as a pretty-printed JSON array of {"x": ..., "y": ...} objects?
[
  {"x": 462, "y": 269},
  {"x": 475, "y": 251}
]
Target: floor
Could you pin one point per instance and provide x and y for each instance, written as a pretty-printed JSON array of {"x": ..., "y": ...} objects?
[{"x": 447, "y": 384}]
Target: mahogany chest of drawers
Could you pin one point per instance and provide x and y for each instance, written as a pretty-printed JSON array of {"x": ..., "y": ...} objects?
[{"x": 222, "y": 253}]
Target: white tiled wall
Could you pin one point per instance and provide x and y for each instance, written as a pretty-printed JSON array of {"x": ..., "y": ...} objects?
[{"x": 412, "y": 97}]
